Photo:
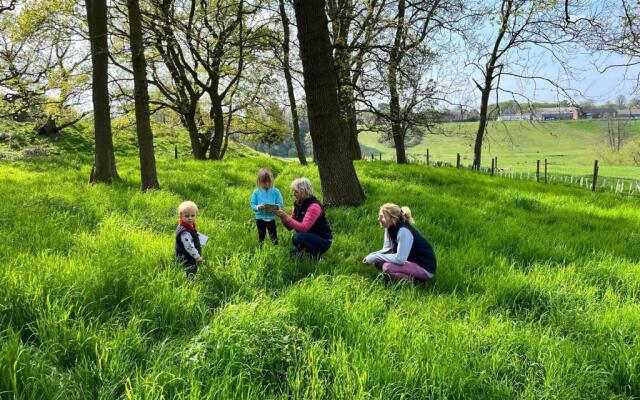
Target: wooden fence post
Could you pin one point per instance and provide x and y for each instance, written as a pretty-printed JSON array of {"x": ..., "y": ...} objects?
[
  {"x": 458, "y": 161},
  {"x": 545, "y": 170},
  {"x": 537, "y": 170},
  {"x": 427, "y": 156},
  {"x": 496, "y": 162},
  {"x": 493, "y": 166},
  {"x": 595, "y": 176},
  {"x": 176, "y": 151}
]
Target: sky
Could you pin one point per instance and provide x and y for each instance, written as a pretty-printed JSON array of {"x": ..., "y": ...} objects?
[
  {"x": 587, "y": 77},
  {"x": 592, "y": 81}
]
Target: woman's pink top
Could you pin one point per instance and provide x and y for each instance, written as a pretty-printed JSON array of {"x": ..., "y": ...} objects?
[{"x": 313, "y": 213}]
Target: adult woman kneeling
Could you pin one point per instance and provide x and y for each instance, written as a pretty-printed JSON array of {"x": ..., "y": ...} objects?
[
  {"x": 308, "y": 220},
  {"x": 406, "y": 254}
]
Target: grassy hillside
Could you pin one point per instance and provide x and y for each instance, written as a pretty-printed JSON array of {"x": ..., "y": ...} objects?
[
  {"x": 537, "y": 293},
  {"x": 18, "y": 141},
  {"x": 570, "y": 146}
]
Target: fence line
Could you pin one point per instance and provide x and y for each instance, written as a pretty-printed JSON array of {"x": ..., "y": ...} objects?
[{"x": 594, "y": 182}]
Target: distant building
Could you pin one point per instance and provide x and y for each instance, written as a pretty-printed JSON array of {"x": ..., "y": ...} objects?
[
  {"x": 555, "y": 113},
  {"x": 628, "y": 114},
  {"x": 517, "y": 117},
  {"x": 597, "y": 113}
]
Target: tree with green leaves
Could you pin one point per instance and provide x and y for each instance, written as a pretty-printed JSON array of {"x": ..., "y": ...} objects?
[
  {"x": 44, "y": 71},
  {"x": 266, "y": 126},
  {"x": 518, "y": 28},
  {"x": 286, "y": 68},
  {"x": 199, "y": 53},
  {"x": 406, "y": 52},
  {"x": 104, "y": 168},
  {"x": 613, "y": 28},
  {"x": 148, "y": 176},
  {"x": 340, "y": 183},
  {"x": 355, "y": 28}
]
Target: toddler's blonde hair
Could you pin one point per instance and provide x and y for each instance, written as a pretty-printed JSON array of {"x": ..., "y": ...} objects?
[{"x": 186, "y": 206}]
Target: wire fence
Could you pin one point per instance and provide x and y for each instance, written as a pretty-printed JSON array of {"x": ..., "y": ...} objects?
[{"x": 540, "y": 172}]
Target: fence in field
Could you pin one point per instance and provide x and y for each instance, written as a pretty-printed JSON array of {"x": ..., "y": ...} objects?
[{"x": 541, "y": 172}]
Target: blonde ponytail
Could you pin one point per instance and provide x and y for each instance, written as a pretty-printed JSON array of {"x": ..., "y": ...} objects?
[{"x": 406, "y": 215}]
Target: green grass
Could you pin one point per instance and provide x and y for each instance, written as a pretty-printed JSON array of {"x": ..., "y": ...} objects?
[
  {"x": 537, "y": 293},
  {"x": 570, "y": 146}
]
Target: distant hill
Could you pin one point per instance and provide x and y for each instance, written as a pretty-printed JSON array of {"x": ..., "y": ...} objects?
[{"x": 569, "y": 146}]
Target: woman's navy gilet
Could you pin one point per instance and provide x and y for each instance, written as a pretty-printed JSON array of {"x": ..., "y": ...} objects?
[
  {"x": 421, "y": 253},
  {"x": 321, "y": 226}
]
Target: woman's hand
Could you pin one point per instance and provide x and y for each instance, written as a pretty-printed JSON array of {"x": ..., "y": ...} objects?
[{"x": 281, "y": 214}]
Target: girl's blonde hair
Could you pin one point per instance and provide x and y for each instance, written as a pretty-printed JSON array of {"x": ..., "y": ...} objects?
[
  {"x": 186, "y": 206},
  {"x": 397, "y": 213},
  {"x": 264, "y": 176},
  {"x": 303, "y": 187}
]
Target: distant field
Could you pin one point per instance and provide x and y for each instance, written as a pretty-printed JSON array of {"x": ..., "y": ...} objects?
[{"x": 569, "y": 146}]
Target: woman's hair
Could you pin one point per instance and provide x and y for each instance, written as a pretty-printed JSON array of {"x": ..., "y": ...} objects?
[
  {"x": 264, "y": 176},
  {"x": 186, "y": 206},
  {"x": 397, "y": 213},
  {"x": 302, "y": 186}
]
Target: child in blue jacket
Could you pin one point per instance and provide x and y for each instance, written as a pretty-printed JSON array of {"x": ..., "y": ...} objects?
[{"x": 263, "y": 196}]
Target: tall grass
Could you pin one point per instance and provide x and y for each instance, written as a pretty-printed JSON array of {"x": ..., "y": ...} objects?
[{"x": 537, "y": 293}]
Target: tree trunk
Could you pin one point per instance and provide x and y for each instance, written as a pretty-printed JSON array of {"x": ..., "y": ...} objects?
[
  {"x": 198, "y": 149},
  {"x": 340, "y": 183},
  {"x": 394, "y": 110},
  {"x": 341, "y": 26},
  {"x": 395, "y": 58},
  {"x": 48, "y": 128},
  {"x": 482, "y": 125},
  {"x": 182, "y": 92},
  {"x": 215, "y": 150},
  {"x": 489, "y": 75},
  {"x": 289, "y": 81},
  {"x": 296, "y": 125},
  {"x": 352, "y": 123},
  {"x": 104, "y": 169},
  {"x": 148, "y": 176},
  {"x": 225, "y": 146},
  {"x": 348, "y": 110},
  {"x": 342, "y": 16}
]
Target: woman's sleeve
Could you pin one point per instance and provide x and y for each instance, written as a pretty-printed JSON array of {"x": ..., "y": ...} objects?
[
  {"x": 373, "y": 258},
  {"x": 313, "y": 213},
  {"x": 405, "y": 242},
  {"x": 387, "y": 247}
]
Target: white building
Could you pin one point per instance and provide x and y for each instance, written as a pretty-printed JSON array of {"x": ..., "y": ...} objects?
[
  {"x": 517, "y": 117},
  {"x": 629, "y": 114}
]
